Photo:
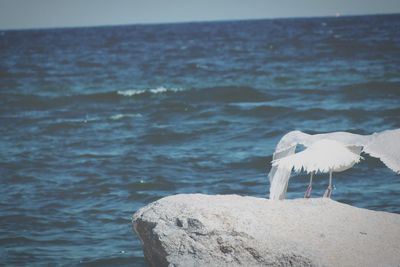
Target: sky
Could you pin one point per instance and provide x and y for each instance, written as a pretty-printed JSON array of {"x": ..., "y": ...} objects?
[{"x": 26, "y": 14}]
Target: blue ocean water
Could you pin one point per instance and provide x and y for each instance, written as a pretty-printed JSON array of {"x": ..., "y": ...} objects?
[{"x": 98, "y": 122}]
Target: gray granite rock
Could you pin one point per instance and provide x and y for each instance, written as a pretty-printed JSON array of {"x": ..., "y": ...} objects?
[{"x": 231, "y": 230}]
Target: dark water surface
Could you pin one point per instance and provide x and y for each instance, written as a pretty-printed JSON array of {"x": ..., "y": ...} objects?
[{"x": 97, "y": 122}]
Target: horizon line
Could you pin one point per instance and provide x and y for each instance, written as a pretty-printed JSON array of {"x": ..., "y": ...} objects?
[{"x": 338, "y": 15}]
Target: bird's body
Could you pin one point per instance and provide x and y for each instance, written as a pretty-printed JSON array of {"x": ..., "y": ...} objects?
[
  {"x": 329, "y": 152},
  {"x": 322, "y": 156}
]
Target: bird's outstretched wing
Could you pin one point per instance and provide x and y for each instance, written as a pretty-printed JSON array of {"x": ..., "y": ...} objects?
[
  {"x": 279, "y": 176},
  {"x": 384, "y": 145}
]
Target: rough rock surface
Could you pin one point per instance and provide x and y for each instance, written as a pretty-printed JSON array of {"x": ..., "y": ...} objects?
[{"x": 231, "y": 230}]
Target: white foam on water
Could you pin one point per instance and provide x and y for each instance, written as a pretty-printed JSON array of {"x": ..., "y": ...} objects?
[
  {"x": 158, "y": 90},
  {"x": 131, "y": 92}
]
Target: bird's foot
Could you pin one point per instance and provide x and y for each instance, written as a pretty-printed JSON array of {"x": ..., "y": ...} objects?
[
  {"x": 308, "y": 192},
  {"x": 328, "y": 192}
]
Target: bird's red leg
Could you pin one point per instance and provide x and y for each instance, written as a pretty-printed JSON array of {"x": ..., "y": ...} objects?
[
  {"x": 328, "y": 191},
  {"x": 309, "y": 188}
]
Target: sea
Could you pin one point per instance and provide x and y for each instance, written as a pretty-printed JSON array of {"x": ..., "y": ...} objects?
[{"x": 97, "y": 122}]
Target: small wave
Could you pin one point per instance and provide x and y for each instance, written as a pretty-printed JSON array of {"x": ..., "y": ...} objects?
[
  {"x": 113, "y": 260},
  {"x": 88, "y": 64},
  {"x": 261, "y": 109},
  {"x": 47, "y": 102},
  {"x": 158, "y": 90},
  {"x": 131, "y": 92},
  {"x": 227, "y": 94},
  {"x": 121, "y": 116},
  {"x": 365, "y": 90},
  {"x": 150, "y": 184},
  {"x": 165, "y": 136},
  {"x": 323, "y": 114},
  {"x": 260, "y": 163}
]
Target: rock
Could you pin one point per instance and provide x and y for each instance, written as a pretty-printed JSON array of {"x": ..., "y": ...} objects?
[{"x": 231, "y": 230}]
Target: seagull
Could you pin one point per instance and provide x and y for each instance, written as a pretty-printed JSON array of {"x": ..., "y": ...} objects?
[
  {"x": 322, "y": 156},
  {"x": 329, "y": 152}
]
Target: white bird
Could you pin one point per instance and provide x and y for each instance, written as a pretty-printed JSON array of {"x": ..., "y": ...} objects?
[
  {"x": 329, "y": 155},
  {"x": 322, "y": 156}
]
